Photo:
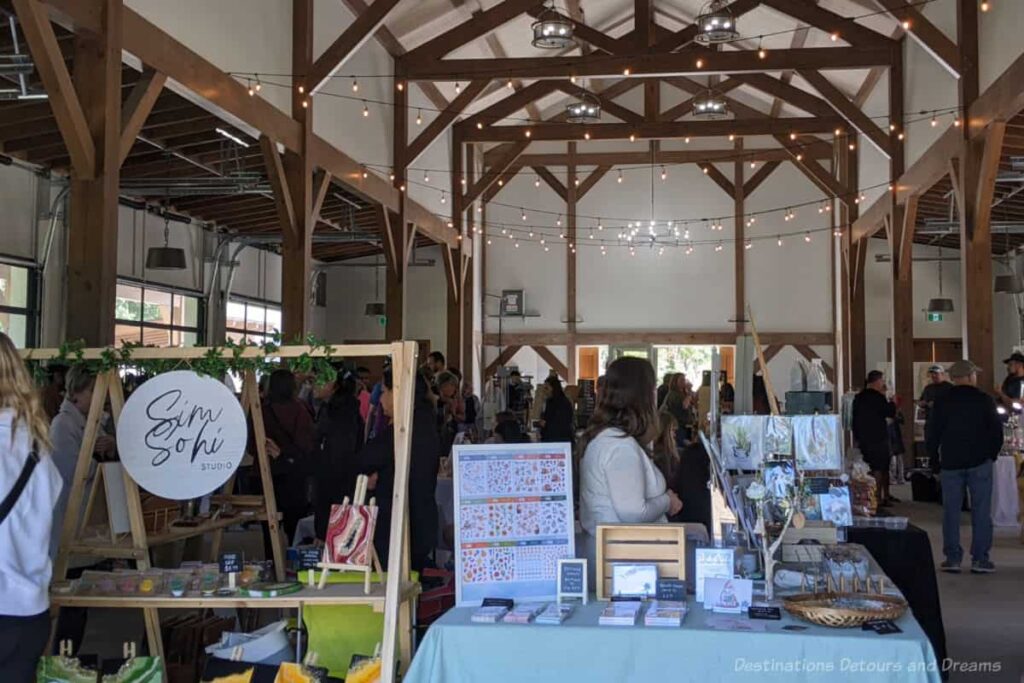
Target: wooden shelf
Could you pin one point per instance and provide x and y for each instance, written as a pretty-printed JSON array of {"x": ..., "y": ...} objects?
[
  {"x": 102, "y": 547},
  {"x": 333, "y": 594}
]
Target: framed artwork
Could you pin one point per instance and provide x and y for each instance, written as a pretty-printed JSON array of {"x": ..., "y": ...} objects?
[
  {"x": 778, "y": 435},
  {"x": 743, "y": 441},
  {"x": 513, "y": 520},
  {"x": 835, "y": 506},
  {"x": 818, "y": 441},
  {"x": 350, "y": 534}
]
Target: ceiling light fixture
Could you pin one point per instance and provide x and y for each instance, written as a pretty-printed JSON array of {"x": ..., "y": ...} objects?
[
  {"x": 231, "y": 136},
  {"x": 552, "y": 31},
  {"x": 716, "y": 23},
  {"x": 710, "y": 107}
]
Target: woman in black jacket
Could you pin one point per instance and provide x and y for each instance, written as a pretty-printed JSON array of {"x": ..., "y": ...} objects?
[
  {"x": 378, "y": 460},
  {"x": 558, "y": 417},
  {"x": 339, "y": 438},
  {"x": 691, "y": 485}
]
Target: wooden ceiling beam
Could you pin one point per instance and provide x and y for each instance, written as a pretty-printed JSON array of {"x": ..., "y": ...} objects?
[
  {"x": 495, "y": 172},
  {"x": 711, "y": 171},
  {"x": 346, "y": 45},
  {"x": 655, "y": 130},
  {"x": 687, "y": 35},
  {"x": 279, "y": 181},
  {"x": 510, "y": 105},
  {"x": 922, "y": 31},
  {"x": 137, "y": 108},
  {"x": 552, "y": 182},
  {"x": 591, "y": 180},
  {"x": 821, "y": 178},
  {"x": 627, "y": 158},
  {"x": 850, "y": 111},
  {"x": 798, "y": 41},
  {"x": 759, "y": 177},
  {"x": 607, "y": 105},
  {"x": 442, "y": 121},
  {"x": 847, "y": 29},
  {"x": 479, "y": 25},
  {"x": 799, "y": 98},
  {"x": 654, "y": 64}
]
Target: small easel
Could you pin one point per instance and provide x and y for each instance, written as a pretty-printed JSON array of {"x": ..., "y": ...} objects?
[{"x": 373, "y": 562}]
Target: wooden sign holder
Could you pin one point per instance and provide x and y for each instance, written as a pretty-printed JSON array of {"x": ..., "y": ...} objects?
[
  {"x": 373, "y": 562},
  {"x": 399, "y": 599}
]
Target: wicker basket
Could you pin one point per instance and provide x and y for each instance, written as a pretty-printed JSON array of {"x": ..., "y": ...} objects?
[{"x": 827, "y": 609}]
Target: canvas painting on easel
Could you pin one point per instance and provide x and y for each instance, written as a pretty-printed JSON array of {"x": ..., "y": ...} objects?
[
  {"x": 743, "y": 441},
  {"x": 350, "y": 534}
]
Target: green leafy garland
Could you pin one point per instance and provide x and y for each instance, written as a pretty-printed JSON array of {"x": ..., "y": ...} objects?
[{"x": 217, "y": 362}]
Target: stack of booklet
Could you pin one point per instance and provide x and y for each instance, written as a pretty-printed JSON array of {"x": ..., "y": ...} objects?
[
  {"x": 555, "y": 613},
  {"x": 522, "y": 614},
  {"x": 620, "y": 613},
  {"x": 489, "y": 614},
  {"x": 665, "y": 613}
]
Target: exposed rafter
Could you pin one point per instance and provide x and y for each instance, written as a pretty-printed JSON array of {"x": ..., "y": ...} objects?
[{"x": 346, "y": 45}]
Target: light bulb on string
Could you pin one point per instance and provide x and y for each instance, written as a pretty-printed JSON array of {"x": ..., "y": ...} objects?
[
  {"x": 753, "y": 165},
  {"x": 632, "y": 137},
  {"x": 558, "y": 221},
  {"x": 457, "y": 88},
  {"x": 935, "y": 121},
  {"x": 586, "y": 135},
  {"x": 444, "y": 198},
  {"x": 779, "y": 240},
  {"x": 419, "y": 118},
  {"x": 834, "y": 36},
  {"x": 599, "y": 225},
  {"x": 426, "y": 177},
  {"x": 259, "y": 86},
  {"x": 686, "y": 140},
  {"x": 686, "y": 234},
  {"x": 479, "y": 125},
  {"x": 748, "y": 244},
  {"x": 523, "y": 215},
  {"x": 664, "y": 174},
  {"x": 536, "y": 183},
  {"x": 250, "y": 88},
  {"x": 509, "y": 84},
  {"x": 705, "y": 169},
  {"x": 355, "y": 85},
  {"x": 985, "y": 5},
  {"x": 366, "y": 110},
  {"x": 807, "y": 237},
  {"x": 619, "y": 179},
  {"x": 761, "y": 52},
  {"x": 906, "y": 24},
  {"x": 400, "y": 86},
  {"x": 366, "y": 173}
]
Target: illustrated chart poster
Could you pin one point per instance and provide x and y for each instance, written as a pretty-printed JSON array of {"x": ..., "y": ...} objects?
[{"x": 513, "y": 520}]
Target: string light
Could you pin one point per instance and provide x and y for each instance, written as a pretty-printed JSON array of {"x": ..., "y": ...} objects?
[
  {"x": 626, "y": 72},
  {"x": 664, "y": 174},
  {"x": 527, "y": 133},
  {"x": 748, "y": 245},
  {"x": 419, "y": 118},
  {"x": 807, "y": 237},
  {"x": 251, "y": 89},
  {"x": 761, "y": 53},
  {"x": 305, "y": 105},
  {"x": 753, "y": 165},
  {"x": 619, "y": 179},
  {"x": 366, "y": 111},
  {"x": 509, "y": 84},
  {"x": 779, "y": 240},
  {"x": 935, "y": 121},
  {"x": 536, "y": 183},
  {"x": 705, "y": 169},
  {"x": 479, "y": 125},
  {"x": 718, "y": 247},
  {"x": 365, "y": 173},
  {"x": 302, "y": 89},
  {"x": 834, "y": 36},
  {"x": 985, "y": 5},
  {"x": 400, "y": 86},
  {"x": 792, "y": 136},
  {"x": 426, "y": 177},
  {"x": 259, "y": 86},
  {"x": 632, "y": 137},
  {"x": 686, "y": 140},
  {"x": 956, "y": 122},
  {"x": 524, "y": 218},
  {"x": 586, "y": 135},
  {"x": 700, "y": 63},
  {"x": 457, "y": 88},
  {"x": 355, "y": 85},
  {"x": 900, "y": 136},
  {"x": 444, "y": 198},
  {"x": 906, "y": 24}
]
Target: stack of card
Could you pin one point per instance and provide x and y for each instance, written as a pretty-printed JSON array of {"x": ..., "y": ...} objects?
[
  {"x": 665, "y": 613},
  {"x": 489, "y": 614},
  {"x": 522, "y": 614},
  {"x": 620, "y": 613},
  {"x": 555, "y": 613}
]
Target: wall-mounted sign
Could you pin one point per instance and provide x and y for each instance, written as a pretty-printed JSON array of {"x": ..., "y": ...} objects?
[
  {"x": 181, "y": 435},
  {"x": 513, "y": 302},
  {"x": 934, "y": 317}
]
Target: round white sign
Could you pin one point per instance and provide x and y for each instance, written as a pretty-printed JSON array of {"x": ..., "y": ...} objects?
[{"x": 181, "y": 435}]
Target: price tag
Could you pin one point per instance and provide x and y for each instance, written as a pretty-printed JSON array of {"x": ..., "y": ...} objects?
[
  {"x": 230, "y": 563},
  {"x": 764, "y": 612},
  {"x": 309, "y": 557},
  {"x": 882, "y": 627},
  {"x": 671, "y": 589},
  {"x": 572, "y": 579}
]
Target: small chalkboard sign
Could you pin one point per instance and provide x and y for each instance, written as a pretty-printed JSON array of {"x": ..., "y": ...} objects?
[
  {"x": 769, "y": 612},
  {"x": 572, "y": 579},
  {"x": 673, "y": 590},
  {"x": 230, "y": 563},
  {"x": 309, "y": 558}
]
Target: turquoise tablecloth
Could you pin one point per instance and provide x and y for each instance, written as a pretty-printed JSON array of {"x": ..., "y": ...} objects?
[{"x": 456, "y": 650}]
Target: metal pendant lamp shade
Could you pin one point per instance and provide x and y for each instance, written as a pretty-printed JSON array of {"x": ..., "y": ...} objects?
[
  {"x": 552, "y": 31},
  {"x": 716, "y": 23},
  {"x": 166, "y": 257},
  {"x": 585, "y": 110},
  {"x": 710, "y": 107},
  {"x": 941, "y": 305},
  {"x": 375, "y": 309}
]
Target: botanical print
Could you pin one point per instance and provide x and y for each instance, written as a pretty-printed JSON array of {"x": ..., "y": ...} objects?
[
  {"x": 818, "y": 441},
  {"x": 742, "y": 441},
  {"x": 778, "y": 435}
]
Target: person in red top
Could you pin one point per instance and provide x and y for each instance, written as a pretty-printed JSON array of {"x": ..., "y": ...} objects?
[{"x": 290, "y": 426}]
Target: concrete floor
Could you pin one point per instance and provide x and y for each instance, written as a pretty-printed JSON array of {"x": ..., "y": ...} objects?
[{"x": 983, "y": 614}]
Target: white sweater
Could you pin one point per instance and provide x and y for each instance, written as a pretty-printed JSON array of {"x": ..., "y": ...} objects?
[
  {"x": 25, "y": 567},
  {"x": 619, "y": 483}
]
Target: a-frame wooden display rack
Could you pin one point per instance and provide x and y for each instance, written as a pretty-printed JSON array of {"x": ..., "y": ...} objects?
[{"x": 397, "y": 604}]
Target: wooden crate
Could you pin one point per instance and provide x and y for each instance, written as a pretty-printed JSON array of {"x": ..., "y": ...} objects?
[{"x": 660, "y": 544}]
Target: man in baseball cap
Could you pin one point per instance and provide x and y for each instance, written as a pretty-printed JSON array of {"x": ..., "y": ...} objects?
[
  {"x": 1013, "y": 386},
  {"x": 964, "y": 437},
  {"x": 936, "y": 389}
]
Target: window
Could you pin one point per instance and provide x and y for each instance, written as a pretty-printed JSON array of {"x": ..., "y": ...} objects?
[
  {"x": 252, "y": 322},
  {"x": 155, "y": 317},
  {"x": 18, "y": 304}
]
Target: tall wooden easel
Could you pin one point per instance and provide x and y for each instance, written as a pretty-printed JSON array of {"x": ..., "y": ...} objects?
[{"x": 398, "y": 607}]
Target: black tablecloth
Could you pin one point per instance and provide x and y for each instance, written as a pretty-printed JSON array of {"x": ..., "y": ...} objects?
[{"x": 906, "y": 558}]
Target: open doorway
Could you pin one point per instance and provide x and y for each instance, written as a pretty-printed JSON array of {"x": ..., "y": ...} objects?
[{"x": 692, "y": 359}]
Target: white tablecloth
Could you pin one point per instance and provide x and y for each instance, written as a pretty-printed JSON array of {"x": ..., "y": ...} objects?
[{"x": 1005, "y": 498}]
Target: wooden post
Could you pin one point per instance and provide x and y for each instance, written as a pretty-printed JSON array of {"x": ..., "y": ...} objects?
[
  {"x": 396, "y": 236},
  {"x": 854, "y": 336},
  {"x": 901, "y": 251},
  {"x": 92, "y": 238},
  {"x": 297, "y": 243},
  {"x": 453, "y": 268},
  {"x": 739, "y": 243},
  {"x": 466, "y": 352},
  {"x": 570, "y": 261}
]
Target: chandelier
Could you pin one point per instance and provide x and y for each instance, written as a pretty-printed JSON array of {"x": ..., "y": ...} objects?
[
  {"x": 584, "y": 110},
  {"x": 552, "y": 31},
  {"x": 710, "y": 107},
  {"x": 716, "y": 24}
]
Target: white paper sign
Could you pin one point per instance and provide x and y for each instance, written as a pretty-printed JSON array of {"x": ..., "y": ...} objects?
[
  {"x": 181, "y": 435},
  {"x": 712, "y": 563}
]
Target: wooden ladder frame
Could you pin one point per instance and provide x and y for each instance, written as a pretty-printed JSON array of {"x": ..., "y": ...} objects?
[{"x": 398, "y": 614}]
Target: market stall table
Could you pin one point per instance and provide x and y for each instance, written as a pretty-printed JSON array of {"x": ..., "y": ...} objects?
[
  {"x": 905, "y": 556},
  {"x": 456, "y": 650},
  {"x": 1005, "y": 496}
]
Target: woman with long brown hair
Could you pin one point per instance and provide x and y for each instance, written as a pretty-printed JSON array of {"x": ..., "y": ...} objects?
[
  {"x": 619, "y": 482},
  {"x": 665, "y": 451},
  {"x": 29, "y": 487}
]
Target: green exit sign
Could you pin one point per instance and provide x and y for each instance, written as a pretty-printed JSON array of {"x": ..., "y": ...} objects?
[{"x": 934, "y": 317}]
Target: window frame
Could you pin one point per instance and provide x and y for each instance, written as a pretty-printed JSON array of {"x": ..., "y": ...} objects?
[
  {"x": 31, "y": 309},
  {"x": 176, "y": 293},
  {"x": 246, "y": 303}
]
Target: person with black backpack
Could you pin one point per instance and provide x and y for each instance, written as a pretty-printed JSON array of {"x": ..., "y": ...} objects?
[
  {"x": 29, "y": 487},
  {"x": 339, "y": 438}
]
